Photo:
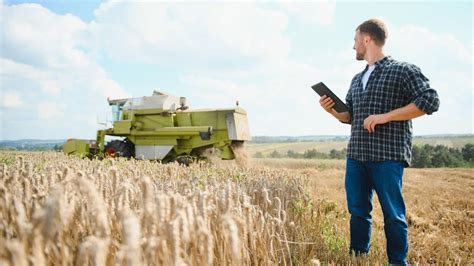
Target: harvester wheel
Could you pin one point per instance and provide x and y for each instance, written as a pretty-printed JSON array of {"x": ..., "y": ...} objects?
[
  {"x": 185, "y": 159},
  {"x": 120, "y": 148}
]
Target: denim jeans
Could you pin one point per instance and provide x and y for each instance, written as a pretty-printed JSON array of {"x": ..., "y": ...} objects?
[{"x": 385, "y": 177}]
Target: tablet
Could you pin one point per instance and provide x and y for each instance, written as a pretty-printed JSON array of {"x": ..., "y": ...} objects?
[{"x": 322, "y": 90}]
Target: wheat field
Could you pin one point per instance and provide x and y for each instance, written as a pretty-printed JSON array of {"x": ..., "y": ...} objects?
[{"x": 59, "y": 210}]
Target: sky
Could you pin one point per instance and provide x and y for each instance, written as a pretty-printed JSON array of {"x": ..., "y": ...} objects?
[{"x": 60, "y": 60}]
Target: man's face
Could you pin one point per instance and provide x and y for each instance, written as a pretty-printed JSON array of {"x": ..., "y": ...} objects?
[{"x": 359, "y": 45}]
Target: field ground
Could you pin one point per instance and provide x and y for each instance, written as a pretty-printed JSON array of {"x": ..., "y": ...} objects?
[
  {"x": 326, "y": 146},
  {"x": 300, "y": 202}
]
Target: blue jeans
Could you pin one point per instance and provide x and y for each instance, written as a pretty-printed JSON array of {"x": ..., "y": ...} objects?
[{"x": 385, "y": 177}]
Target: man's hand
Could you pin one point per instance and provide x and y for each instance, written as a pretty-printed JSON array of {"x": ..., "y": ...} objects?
[
  {"x": 407, "y": 112},
  {"x": 327, "y": 103},
  {"x": 372, "y": 120}
]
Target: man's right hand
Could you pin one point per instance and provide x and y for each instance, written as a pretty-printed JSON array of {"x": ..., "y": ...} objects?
[{"x": 327, "y": 104}]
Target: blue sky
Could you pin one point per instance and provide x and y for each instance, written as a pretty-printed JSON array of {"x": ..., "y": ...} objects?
[{"x": 61, "y": 60}]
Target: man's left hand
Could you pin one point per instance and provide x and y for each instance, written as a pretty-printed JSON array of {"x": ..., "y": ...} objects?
[{"x": 372, "y": 120}]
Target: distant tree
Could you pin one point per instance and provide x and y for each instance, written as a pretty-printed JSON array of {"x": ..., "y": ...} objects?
[
  {"x": 442, "y": 156},
  {"x": 468, "y": 152},
  {"x": 335, "y": 154},
  {"x": 310, "y": 154},
  {"x": 258, "y": 155},
  {"x": 415, "y": 153},
  {"x": 58, "y": 147},
  {"x": 292, "y": 154},
  {"x": 275, "y": 154},
  {"x": 421, "y": 157},
  {"x": 446, "y": 157},
  {"x": 314, "y": 154},
  {"x": 7, "y": 148}
]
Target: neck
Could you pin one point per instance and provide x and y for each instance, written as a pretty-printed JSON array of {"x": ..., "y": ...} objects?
[{"x": 374, "y": 56}]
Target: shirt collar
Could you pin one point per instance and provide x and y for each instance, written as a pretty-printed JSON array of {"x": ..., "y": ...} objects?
[
  {"x": 380, "y": 63},
  {"x": 383, "y": 61}
]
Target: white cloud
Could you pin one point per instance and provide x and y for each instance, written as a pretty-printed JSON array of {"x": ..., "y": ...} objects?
[
  {"x": 215, "y": 91},
  {"x": 321, "y": 12},
  {"x": 282, "y": 103},
  {"x": 47, "y": 57},
  {"x": 11, "y": 99},
  {"x": 51, "y": 87},
  {"x": 190, "y": 33},
  {"x": 46, "y": 49},
  {"x": 10, "y": 68},
  {"x": 50, "y": 110},
  {"x": 421, "y": 44},
  {"x": 32, "y": 34},
  {"x": 108, "y": 88}
]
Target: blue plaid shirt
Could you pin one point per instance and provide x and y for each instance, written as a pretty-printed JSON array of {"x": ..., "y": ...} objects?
[{"x": 391, "y": 85}]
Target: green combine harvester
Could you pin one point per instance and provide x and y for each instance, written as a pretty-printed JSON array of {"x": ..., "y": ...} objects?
[{"x": 162, "y": 127}]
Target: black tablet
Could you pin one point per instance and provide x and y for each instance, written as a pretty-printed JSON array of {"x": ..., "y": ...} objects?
[{"x": 322, "y": 90}]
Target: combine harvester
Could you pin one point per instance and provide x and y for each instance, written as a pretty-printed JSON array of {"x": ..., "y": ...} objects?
[{"x": 162, "y": 127}]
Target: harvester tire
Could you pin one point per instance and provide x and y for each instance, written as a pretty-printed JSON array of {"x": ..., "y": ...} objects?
[
  {"x": 120, "y": 148},
  {"x": 185, "y": 159}
]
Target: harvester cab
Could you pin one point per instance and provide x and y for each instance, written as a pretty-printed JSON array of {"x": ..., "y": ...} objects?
[{"x": 163, "y": 127}]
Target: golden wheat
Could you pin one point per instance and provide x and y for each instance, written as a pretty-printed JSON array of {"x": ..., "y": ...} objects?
[{"x": 61, "y": 210}]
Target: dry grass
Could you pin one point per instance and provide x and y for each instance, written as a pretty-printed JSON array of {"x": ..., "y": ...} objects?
[
  {"x": 298, "y": 164},
  {"x": 60, "y": 210},
  {"x": 301, "y": 147},
  {"x": 327, "y": 145}
]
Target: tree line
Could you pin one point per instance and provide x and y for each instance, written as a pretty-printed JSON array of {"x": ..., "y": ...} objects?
[
  {"x": 442, "y": 156},
  {"x": 424, "y": 156},
  {"x": 308, "y": 154}
]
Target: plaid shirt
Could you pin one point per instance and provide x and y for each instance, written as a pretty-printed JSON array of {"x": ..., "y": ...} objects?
[{"x": 391, "y": 85}]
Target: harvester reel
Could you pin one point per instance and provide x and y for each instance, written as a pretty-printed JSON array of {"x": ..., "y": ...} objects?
[{"x": 120, "y": 148}]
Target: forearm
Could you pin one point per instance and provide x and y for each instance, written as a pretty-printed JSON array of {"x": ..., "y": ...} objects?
[
  {"x": 343, "y": 117},
  {"x": 407, "y": 112},
  {"x": 328, "y": 104}
]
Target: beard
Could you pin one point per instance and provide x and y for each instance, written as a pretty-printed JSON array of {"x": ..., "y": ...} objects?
[
  {"x": 360, "y": 56},
  {"x": 360, "y": 53}
]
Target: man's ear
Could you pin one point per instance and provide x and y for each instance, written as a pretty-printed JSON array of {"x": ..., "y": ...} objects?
[{"x": 367, "y": 39}]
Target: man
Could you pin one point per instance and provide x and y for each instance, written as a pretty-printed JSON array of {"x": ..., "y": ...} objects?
[{"x": 382, "y": 100}]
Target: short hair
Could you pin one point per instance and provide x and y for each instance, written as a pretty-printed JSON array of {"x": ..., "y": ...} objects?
[{"x": 376, "y": 29}]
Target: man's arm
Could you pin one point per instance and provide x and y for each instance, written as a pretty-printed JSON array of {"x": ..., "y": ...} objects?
[
  {"x": 328, "y": 104},
  {"x": 407, "y": 112}
]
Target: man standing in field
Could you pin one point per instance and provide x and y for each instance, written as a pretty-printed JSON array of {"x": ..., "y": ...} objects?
[{"x": 382, "y": 100}]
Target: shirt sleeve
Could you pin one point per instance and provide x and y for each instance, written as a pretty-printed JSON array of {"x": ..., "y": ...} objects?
[
  {"x": 349, "y": 104},
  {"x": 419, "y": 91}
]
